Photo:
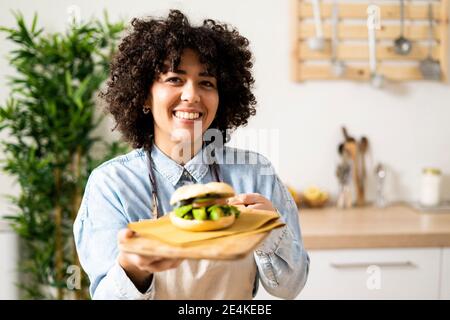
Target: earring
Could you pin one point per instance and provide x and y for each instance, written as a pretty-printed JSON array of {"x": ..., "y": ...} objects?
[{"x": 146, "y": 110}]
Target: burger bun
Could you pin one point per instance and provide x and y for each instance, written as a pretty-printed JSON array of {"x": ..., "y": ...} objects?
[{"x": 190, "y": 191}]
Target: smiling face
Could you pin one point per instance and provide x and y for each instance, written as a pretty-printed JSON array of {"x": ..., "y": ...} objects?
[{"x": 183, "y": 102}]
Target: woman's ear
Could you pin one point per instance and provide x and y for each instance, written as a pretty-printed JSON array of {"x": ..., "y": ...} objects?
[
  {"x": 148, "y": 105},
  {"x": 148, "y": 102}
]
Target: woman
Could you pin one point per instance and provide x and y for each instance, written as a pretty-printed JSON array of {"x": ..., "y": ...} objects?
[{"x": 169, "y": 83}]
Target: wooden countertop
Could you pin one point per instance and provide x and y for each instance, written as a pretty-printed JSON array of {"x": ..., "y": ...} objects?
[{"x": 369, "y": 227}]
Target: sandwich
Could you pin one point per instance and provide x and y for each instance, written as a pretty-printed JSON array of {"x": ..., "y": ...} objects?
[{"x": 203, "y": 207}]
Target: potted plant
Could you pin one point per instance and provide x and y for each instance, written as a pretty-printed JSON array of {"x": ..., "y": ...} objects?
[{"x": 50, "y": 118}]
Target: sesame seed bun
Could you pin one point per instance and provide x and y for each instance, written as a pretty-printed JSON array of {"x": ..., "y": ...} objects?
[{"x": 199, "y": 190}]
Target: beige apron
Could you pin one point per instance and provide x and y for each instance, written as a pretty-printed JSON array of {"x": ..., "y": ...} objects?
[{"x": 207, "y": 280}]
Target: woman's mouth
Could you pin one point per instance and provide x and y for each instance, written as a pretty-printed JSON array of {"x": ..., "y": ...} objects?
[{"x": 187, "y": 115}]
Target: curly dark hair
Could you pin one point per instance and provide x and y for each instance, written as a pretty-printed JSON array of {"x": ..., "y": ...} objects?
[{"x": 140, "y": 59}]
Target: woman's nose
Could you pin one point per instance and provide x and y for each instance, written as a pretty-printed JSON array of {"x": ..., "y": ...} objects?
[{"x": 190, "y": 93}]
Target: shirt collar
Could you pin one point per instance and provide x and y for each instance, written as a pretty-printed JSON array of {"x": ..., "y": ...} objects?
[{"x": 197, "y": 167}]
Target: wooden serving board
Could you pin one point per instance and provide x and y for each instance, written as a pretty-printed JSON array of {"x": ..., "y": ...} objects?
[{"x": 225, "y": 248}]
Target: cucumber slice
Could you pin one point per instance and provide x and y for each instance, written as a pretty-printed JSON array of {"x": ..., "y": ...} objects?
[
  {"x": 216, "y": 213},
  {"x": 234, "y": 210},
  {"x": 188, "y": 216},
  {"x": 181, "y": 211},
  {"x": 211, "y": 208},
  {"x": 227, "y": 210},
  {"x": 200, "y": 214}
]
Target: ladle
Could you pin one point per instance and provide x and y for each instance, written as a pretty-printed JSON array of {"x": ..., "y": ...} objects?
[{"x": 402, "y": 45}]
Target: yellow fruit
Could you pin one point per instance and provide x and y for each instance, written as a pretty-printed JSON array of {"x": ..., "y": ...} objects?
[
  {"x": 323, "y": 196},
  {"x": 312, "y": 193},
  {"x": 315, "y": 197}
]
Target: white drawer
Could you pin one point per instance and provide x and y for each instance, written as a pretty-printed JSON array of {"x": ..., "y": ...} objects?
[{"x": 373, "y": 274}]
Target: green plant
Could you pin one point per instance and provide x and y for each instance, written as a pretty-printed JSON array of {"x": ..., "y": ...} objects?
[{"x": 50, "y": 118}]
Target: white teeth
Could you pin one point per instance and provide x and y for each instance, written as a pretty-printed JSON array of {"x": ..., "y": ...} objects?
[{"x": 187, "y": 115}]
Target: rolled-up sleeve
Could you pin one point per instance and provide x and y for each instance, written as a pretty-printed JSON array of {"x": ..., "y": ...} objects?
[
  {"x": 282, "y": 261},
  {"x": 100, "y": 217}
]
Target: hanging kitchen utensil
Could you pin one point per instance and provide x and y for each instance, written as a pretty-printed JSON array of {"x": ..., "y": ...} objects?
[
  {"x": 317, "y": 43},
  {"x": 402, "y": 45},
  {"x": 337, "y": 66},
  {"x": 429, "y": 67},
  {"x": 376, "y": 78}
]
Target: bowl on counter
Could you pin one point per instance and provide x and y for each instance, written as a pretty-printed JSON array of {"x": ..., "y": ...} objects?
[{"x": 314, "y": 197}]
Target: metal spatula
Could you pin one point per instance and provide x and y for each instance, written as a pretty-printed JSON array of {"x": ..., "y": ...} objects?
[{"x": 430, "y": 68}]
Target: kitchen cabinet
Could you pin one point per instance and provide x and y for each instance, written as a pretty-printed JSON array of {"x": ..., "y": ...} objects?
[
  {"x": 374, "y": 274},
  {"x": 396, "y": 226},
  {"x": 445, "y": 274},
  {"x": 393, "y": 273}
]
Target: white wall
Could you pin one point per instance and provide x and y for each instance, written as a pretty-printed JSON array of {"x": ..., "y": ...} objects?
[
  {"x": 407, "y": 125},
  {"x": 9, "y": 256}
]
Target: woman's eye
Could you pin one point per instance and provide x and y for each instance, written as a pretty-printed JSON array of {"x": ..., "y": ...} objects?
[
  {"x": 208, "y": 84},
  {"x": 175, "y": 80}
]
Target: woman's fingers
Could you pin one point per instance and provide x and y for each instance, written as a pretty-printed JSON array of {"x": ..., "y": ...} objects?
[
  {"x": 165, "y": 264},
  {"x": 152, "y": 263},
  {"x": 244, "y": 198},
  {"x": 145, "y": 263},
  {"x": 161, "y": 265},
  {"x": 258, "y": 206},
  {"x": 253, "y": 201},
  {"x": 125, "y": 234}
]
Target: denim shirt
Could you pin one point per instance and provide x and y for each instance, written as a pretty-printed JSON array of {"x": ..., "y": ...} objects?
[{"x": 119, "y": 192}]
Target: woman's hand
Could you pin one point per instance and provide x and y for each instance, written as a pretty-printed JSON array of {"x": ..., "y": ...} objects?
[
  {"x": 140, "y": 268},
  {"x": 252, "y": 200}
]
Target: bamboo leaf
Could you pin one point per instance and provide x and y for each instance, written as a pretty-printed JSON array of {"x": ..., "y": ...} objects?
[
  {"x": 80, "y": 91},
  {"x": 33, "y": 24},
  {"x": 68, "y": 80}
]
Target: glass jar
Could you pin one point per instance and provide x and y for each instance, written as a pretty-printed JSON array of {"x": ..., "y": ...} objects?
[{"x": 430, "y": 187}]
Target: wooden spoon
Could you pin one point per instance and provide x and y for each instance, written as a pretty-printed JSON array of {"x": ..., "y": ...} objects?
[
  {"x": 347, "y": 137},
  {"x": 363, "y": 147},
  {"x": 352, "y": 149}
]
